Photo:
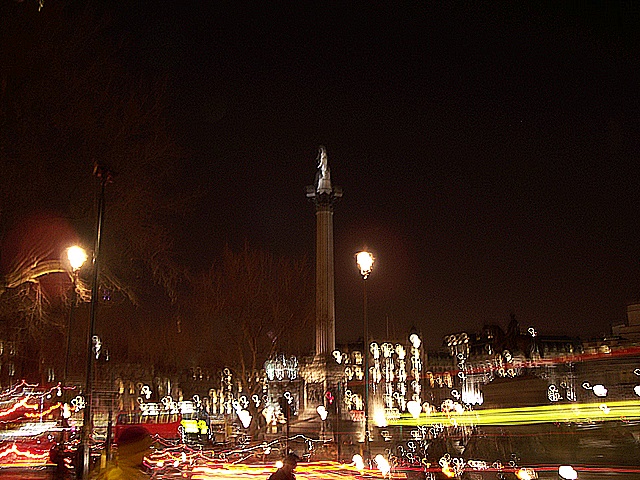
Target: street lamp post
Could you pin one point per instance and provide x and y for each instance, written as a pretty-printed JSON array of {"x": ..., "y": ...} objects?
[
  {"x": 76, "y": 256},
  {"x": 364, "y": 260},
  {"x": 105, "y": 176}
]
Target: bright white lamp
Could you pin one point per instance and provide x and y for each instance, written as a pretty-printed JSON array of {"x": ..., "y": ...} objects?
[{"x": 77, "y": 256}]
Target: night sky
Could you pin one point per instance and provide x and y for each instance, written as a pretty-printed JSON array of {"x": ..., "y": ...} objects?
[{"x": 487, "y": 150}]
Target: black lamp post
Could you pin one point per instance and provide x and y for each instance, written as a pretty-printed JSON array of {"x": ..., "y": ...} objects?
[
  {"x": 105, "y": 176},
  {"x": 365, "y": 264}
]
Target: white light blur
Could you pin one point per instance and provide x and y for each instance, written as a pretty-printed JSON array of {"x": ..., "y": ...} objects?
[
  {"x": 383, "y": 464},
  {"x": 379, "y": 417},
  {"x": 337, "y": 355},
  {"x": 358, "y": 462},
  {"x": 78, "y": 402},
  {"x": 97, "y": 346},
  {"x": 31, "y": 429},
  {"x": 186, "y": 407},
  {"x": 471, "y": 393},
  {"x": 600, "y": 390},
  {"x": 365, "y": 263},
  {"x": 636, "y": 389},
  {"x": 279, "y": 464},
  {"x": 322, "y": 412},
  {"x": 553, "y": 394},
  {"x": 146, "y": 391},
  {"x": 77, "y": 256},
  {"x": 415, "y": 340},
  {"x": 269, "y": 415},
  {"x": 567, "y": 472},
  {"x": 414, "y": 408},
  {"x": 245, "y": 418}
]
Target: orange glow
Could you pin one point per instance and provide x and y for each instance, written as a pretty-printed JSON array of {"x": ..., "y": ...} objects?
[
  {"x": 448, "y": 471},
  {"x": 304, "y": 471},
  {"x": 44, "y": 413},
  {"x": 21, "y": 403}
]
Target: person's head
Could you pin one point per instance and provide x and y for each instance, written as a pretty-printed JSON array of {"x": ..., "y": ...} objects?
[
  {"x": 290, "y": 461},
  {"x": 134, "y": 443}
]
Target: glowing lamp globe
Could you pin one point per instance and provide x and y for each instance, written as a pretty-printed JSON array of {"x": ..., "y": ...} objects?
[
  {"x": 365, "y": 263},
  {"x": 77, "y": 256}
]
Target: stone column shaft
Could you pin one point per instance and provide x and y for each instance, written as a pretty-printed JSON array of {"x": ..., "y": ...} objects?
[{"x": 325, "y": 292}]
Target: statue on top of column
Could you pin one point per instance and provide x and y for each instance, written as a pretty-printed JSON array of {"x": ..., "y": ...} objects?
[{"x": 324, "y": 177}]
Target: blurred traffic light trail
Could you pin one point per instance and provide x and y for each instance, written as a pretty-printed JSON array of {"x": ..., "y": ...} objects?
[{"x": 583, "y": 412}]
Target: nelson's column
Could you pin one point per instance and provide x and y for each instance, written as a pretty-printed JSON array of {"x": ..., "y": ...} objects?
[
  {"x": 324, "y": 195},
  {"x": 321, "y": 376}
]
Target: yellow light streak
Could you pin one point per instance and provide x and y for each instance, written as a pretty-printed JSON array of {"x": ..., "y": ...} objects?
[
  {"x": 304, "y": 471},
  {"x": 581, "y": 413},
  {"x": 43, "y": 413}
]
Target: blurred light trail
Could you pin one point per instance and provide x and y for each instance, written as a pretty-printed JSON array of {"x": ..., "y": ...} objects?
[
  {"x": 491, "y": 366},
  {"x": 304, "y": 471},
  {"x": 12, "y": 455},
  {"x": 582, "y": 413}
]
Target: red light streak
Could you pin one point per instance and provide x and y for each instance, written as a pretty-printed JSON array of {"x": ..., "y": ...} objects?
[
  {"x": 561, "y": 359},
  {"x": 14, "y": 456},
  {"x": 21, "y": 403}
]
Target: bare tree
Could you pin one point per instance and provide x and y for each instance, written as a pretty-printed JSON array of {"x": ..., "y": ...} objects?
[{"x": 249, "y": 306}]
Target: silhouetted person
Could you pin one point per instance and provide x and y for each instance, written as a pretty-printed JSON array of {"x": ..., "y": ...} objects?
[
  {"x": 78, "y": 460},
  {"x": 134, "y": 443},
  {"x": 57, "y": 457},
  {"x": 289, "y": 464}
]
